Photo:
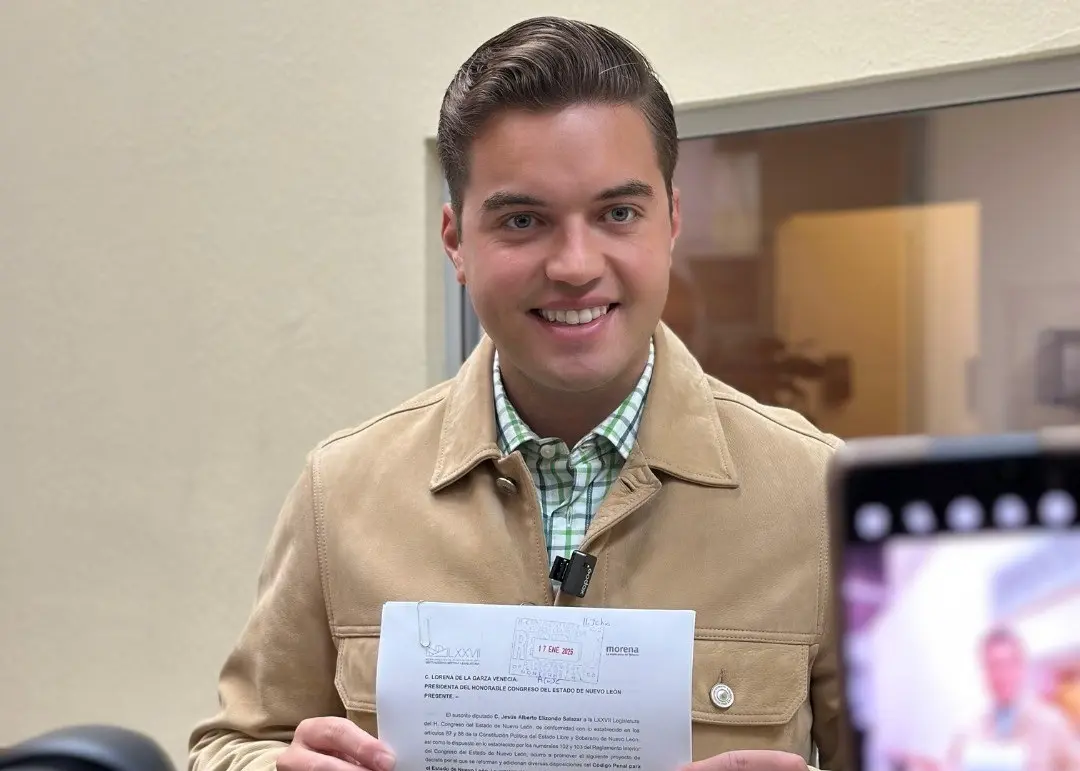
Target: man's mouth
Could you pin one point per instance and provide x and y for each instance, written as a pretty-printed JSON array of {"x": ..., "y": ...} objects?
[{"x": 573, "y": 317}]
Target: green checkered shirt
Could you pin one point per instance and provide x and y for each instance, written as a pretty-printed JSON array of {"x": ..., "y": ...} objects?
[{"x": 572, "y": 483}]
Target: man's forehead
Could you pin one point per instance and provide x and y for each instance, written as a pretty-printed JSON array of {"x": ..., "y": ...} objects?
[
  {"x": 579, "y": 163},
  {"x": 520, "y": 144}
]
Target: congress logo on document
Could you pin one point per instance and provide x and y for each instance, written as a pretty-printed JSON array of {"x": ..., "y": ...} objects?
[{"x": 557, "y": 651}]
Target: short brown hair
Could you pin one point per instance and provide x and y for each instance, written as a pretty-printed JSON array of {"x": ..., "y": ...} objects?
[{"x": 550, "y": 63}]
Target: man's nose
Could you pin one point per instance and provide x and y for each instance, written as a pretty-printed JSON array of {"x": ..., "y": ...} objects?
[{"x": 576, "y": 258}]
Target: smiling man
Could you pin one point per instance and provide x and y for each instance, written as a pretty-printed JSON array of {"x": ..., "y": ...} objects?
[
  {"x": 580, "y": 422},
  {"x": 566, "y": 254}
]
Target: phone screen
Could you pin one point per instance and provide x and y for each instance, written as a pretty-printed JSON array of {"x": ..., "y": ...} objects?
[{"x": 960, "y": 592}]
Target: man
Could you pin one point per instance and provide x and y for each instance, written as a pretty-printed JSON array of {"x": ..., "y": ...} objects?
[
  {"x": 581, "y": 422},
  {"x": 1018, "y": 733}
]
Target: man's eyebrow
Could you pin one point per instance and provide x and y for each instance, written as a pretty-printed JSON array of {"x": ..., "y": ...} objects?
[
  {"x": 633, "y": 188},
  {"x": 504, "y": 198}
]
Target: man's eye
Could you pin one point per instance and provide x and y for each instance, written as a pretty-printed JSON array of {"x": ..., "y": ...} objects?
[
  {"x": 520, "y": 221},
  {"x": 621, "y": 214}
]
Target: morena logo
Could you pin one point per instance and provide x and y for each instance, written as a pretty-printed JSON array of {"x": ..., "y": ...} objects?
[{"x": 621, "y": 650}]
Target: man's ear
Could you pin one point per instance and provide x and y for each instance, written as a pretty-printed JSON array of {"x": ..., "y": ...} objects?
[
  {"x": 676, "y": 216},
  {"x": 451, "y": 239}
]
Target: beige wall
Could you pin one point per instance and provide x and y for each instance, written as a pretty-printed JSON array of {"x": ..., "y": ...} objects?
[{"x": 213, "y": 252}]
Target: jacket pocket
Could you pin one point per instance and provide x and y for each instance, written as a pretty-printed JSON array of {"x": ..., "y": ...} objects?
[
  {"x": 750, "y": 695},
  {"x": 766, "y": 682},
  {"x": 357, "y": 660}
]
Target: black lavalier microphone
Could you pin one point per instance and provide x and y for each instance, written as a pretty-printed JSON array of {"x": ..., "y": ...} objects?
[{"x": 574, "y": 574}]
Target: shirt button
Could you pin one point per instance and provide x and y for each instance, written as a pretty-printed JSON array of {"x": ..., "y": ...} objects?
[
  {"x": 506, "y": 486},
  {"x": 722, "y": 696},
  {"x": 547, "y": 451}
]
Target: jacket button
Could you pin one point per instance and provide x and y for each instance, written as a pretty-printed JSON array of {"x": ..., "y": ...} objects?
[
  {"x": 722, "y": 696},
  {"x": 506, "y": 486}
]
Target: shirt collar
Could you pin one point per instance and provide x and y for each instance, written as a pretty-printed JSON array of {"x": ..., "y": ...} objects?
[
  {"x": 619, "y": 429},
  {"x": 681, "y": 433}
]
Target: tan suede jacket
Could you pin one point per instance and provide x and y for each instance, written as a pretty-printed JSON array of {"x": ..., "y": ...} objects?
[{"x": 721, "y": 509}]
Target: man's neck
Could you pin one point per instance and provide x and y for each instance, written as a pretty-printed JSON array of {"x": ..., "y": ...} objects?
[
  {"x": 1004, "y": 717},
  {"x": 567, "y": 416}
]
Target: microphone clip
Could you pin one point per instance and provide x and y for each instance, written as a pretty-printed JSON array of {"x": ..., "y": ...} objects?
[{"x": 574, "y": 574}]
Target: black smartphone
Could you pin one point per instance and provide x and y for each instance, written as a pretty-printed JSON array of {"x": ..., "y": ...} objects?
[{"x": 957, "y": 575}]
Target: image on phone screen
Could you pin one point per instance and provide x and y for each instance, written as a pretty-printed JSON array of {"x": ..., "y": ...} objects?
[{"x": 960, "y": 591}]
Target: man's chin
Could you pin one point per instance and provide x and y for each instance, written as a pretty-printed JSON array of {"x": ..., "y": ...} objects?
[{"x": 577, "y": 380}]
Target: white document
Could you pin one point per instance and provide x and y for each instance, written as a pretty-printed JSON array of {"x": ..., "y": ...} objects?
[{"x": 534, "y": 688}]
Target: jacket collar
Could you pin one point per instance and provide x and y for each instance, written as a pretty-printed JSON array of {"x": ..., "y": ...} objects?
[{"x": 680, "y": 432}]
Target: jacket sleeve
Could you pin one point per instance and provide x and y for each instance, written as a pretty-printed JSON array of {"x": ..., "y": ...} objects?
[{"x": 281, "y": 670}]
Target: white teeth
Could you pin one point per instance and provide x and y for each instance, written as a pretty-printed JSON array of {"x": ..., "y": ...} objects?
[{"x": 583, "y": 316}]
